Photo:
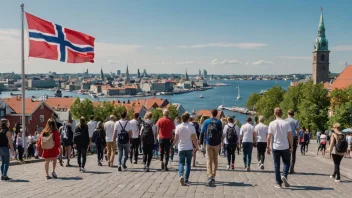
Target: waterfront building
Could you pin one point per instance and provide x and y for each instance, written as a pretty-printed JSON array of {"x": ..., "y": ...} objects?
[
  {"x": 118, "y": 73},
  {"x": 85, "y": 85},
  {"x": 96, "y": 88},
  {"x": 41, "y": 83},
  {"x": 145, "y": 73},
  {"x": 120, "y": 91},
  {"x": 321, "y": 55},
  {"x": 166, "y": 86},
  {"x": 205, "y": 74}
]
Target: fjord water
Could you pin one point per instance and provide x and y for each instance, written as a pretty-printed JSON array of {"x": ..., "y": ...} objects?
[{"x": 191, "y": 101}]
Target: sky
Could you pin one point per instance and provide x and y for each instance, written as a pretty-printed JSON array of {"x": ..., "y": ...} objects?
[{"x": 166, "y": 36}]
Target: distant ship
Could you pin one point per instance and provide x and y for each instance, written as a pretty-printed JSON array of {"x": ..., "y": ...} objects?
[
  {"x": 201, "y": 96},
  {"x": 58, "y": 93}
]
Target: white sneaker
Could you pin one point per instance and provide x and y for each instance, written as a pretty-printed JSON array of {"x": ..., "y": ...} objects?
[
  {"x": 228, "y": 167},
  {"x": 170, "y": 163},
  {"x": 182, "y": 181},
  {"x": 83, "y": 170},
  {"x": 283, "y": 179},
  {"x": 332, "y": 177},
  {"x": 337, "y": 181}
]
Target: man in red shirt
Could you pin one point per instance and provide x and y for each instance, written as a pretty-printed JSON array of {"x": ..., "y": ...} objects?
[{"x": 165, "y": 126}]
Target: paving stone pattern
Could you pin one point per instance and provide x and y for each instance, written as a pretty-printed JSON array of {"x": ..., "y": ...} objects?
[{"x": 312, "y": 180}]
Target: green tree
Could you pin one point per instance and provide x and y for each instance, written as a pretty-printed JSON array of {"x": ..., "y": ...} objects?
[
  {"x": 292, "y": 99},
  {"x": 130, "y": 112},
  {"x": 313, "y": 108},
  {"x": 103, "y": 111},
  {"x": 252, "y": 101},
  {"x": 157, "y": 114},
  {"x": 341, "y": 115},
  {"x": 118, "y": 110},
  {"x": 82, "y": 108},
  {"x": 269, "y": 101},
  {"x": 173, "y": 113}
]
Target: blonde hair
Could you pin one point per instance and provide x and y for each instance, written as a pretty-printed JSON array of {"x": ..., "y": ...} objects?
[
  {"x": 148, "y": 115},
  {"x": 337, "y": 126},
  {"x": 261, "y": 118},
  {"x": 202, "y": 119}
]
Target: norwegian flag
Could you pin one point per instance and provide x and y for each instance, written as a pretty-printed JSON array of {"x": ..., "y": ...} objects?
[{"x": 51, "y": 41}]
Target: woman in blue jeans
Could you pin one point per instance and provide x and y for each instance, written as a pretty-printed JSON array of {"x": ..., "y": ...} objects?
[
  {"x": 186, "y": 137},
  {"x": 5, "y": 143}
]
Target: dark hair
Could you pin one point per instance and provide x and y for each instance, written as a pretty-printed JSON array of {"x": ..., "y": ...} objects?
[
  {"x": 214, "y": 112},
  {"x": 4, "y": 124},
  {"x": 185, "y": 117},
  {"x": 249, "y": 119},
  {"x": 136, "y": 115},
  {"x": 91, "y": 117},
  {"x": 291, "y": 112},
  {"x": 191, "y": 119},
  {"x": 123, "y": 114},
  {"x": 82, "y": 122},
  {"x": 230, "y": 119},
  {"x": 304, "y": 128}
]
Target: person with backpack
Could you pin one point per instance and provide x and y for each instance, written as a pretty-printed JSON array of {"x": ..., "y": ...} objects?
[
  {"x": 338, "y": 148},
  {"x": 98, "y": 138},
  {"x": 135, "y": 140},
  {"x": 212, "y": 131},
  {"x": 248, "y": 137},
  {"x": 92, "y": 125},
  {"x": 194, "y": 122},
  {"x": 81, "y": 140},
  {"x": 186, "y": 140},
  {"x": 262, "y": 132},
  {"x": 110, "y": 140},
  {"x": 123, "y": 132},
  {"x": 307, "y": 136},
  {"x": 49, "y": 142},
  {"x": 66, "y": 137},
  {"x": 165, "y": 128},
  {"x": 230, "y": 140},
  {"x": 302, "y": 141},
  {"x": 148, "y": 138},
  {"x": 5, "y": 144}
]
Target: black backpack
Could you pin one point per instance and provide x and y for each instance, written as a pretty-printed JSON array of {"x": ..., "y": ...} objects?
[
  {"x": 341, "y": 144},
  {"x": 147, "y": 135},
  {"x": 214, "y": 136},
  {"x": 231, "y": 135},
  {"x": 123, "y": 136}
]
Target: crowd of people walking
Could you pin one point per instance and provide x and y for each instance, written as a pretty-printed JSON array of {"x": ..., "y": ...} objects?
[{"x": 185, "y": 136}]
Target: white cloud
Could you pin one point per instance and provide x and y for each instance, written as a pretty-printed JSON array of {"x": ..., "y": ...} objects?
[
  {"x": 342, "y": 63},
  {"x": 342, "y": 48},
  {"x": 159, "y": 48},
  {"x": 224, "y": 62},
  {"x": 294, "y": 57},
  {"x": 261, "y": 62},
  {"x": 185, "y": 63},
  {"x": 165, "y": 63},
  {"x": 236, "y": 45}
]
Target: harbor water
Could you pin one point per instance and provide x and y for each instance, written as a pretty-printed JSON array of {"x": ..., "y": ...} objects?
[{"x": 212, "y": 98}]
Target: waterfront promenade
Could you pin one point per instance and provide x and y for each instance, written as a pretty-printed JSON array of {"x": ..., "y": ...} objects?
[{"x": 312, "y": 180}]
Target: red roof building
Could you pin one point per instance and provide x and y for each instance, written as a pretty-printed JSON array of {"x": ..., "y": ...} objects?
[
  {"x": 343, "y": 81},
  {"x": 203, "y": 112}
]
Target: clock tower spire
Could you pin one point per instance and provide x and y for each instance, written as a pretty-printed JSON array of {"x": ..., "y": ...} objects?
[{"x": 321, "y": 55}]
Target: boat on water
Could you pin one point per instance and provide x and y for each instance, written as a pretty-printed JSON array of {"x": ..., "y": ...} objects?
[
  {"x": 221, "y": 107},
  {"x": 58, "y": 93},
  {"x": 238, "y": 93},
  {"x": 93, "y": 95},
  {"x": 201, "y": 96}
]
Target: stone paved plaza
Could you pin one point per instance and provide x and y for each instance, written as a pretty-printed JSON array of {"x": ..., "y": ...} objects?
[{"x": 312, "y": 180}]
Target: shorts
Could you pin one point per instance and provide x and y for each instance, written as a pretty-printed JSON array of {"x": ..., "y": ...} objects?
[{"x": 322, "y": 147}]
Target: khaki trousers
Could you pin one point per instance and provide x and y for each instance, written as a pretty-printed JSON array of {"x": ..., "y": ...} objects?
[
  {"x": 111, "y": 149},
  {"x": 212, "y": 160}
]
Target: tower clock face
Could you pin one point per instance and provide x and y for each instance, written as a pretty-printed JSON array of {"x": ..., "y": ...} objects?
[{"x": 323, "y": 44}]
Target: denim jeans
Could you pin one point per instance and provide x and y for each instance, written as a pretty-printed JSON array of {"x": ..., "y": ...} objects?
[
  {"x": 5, "y": 160},
  {"x": 293, "y": 154},
  {"x": 172, "y": 153},
  {"x": 123, "y": 150},
  {"x": 81, "y": 153},
  {"x": 285, "y": 155},
  {"x": 247, "y": 153},
  {"x": 185, "y": 157},
  {"x": 100, "y": 152}
]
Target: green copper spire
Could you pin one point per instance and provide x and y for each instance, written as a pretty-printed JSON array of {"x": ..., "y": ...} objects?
[{"x": 321, "y": 43}]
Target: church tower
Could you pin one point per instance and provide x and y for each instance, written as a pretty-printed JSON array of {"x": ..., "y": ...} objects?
[{"x": 321, "y": 55}]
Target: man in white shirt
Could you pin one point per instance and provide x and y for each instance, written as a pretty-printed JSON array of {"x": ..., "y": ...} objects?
[
  {"x": 186, "y": 137},
  {"x": 123, "y": 132},
  {"x": 248, "y": 137},
  {"x": 282, "y": 146},
  {"x": 92, "y": 125},
  {"x": 262, "y": 132},
  {"x": 135, "y": 140},
  {"x": 110, "y": 141},
  {"x": 230, "y": 145}
]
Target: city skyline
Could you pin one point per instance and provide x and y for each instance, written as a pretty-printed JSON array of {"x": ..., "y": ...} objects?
[{"x": 227, "y": 37}]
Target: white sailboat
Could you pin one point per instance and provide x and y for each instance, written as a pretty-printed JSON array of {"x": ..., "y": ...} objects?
[
  {"x": 222, "y": 105},
  {"x": 238, "y": 93},
  {"x": 201, "y": 96}
]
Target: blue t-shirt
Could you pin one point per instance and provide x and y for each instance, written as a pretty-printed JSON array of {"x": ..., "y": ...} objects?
[{"x": 205, "y": 127}]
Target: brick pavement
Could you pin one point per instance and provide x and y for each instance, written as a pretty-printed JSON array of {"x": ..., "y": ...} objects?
[{"x": 312, "y": 180}]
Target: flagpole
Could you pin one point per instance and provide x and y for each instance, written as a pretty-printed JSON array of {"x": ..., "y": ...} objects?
[{"x": 23, "y": 88}]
